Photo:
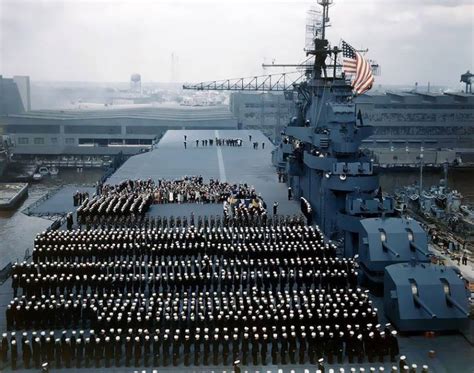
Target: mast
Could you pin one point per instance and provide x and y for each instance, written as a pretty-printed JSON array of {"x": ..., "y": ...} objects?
[{"x": 325, "y": 4}]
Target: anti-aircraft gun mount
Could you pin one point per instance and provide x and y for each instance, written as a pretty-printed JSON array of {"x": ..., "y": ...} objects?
[{"x": 321, "y": 155}]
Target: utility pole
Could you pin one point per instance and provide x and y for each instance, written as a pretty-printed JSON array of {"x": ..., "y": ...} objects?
[{"x": 421, "y": 170}]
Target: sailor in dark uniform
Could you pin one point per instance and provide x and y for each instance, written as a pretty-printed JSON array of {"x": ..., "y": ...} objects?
[
  {"x": 57, "y": 352},
  {"x": 156, "y": 350},
  {"x": 176, "y": 348},
  {"x": 117, "y": 350},
  {"x": 215, "y": 349},
  {"x": 255, "y": 349},
  {"x": 69, "y": 221},
  {"x": 197, "y": 349},
  {"x": 89, "y": 352},
  {"x": 26, "y": 348},
  {"x": 137, "y": 348},
  {"x": 207, "y": 349},
  {"x": 79, "y": 352},
  {"x": 393, "y": 345},
  {"x": 5, "y": 347},
  {"x": 14, "y": 354},
  {"x": 128, "y": 350}
]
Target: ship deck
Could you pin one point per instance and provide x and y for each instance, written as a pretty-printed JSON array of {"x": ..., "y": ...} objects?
[
  {"x": 170, "y": 160},
  {"x": 453, "y": 352}
]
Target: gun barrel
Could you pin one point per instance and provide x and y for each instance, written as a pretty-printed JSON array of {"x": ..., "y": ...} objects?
[
  {"x": 457, "y": 305},
  {"x": 424, "y": 306},
  {"x": 419, "y": 249},
  {"x": 390, "y": 250}
]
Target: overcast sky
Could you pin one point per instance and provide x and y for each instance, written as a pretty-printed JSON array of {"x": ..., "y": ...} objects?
[{"x": 102, "y": 40}]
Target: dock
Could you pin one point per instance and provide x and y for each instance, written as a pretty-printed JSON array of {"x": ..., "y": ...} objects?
[{"x": 11, "y": 194}]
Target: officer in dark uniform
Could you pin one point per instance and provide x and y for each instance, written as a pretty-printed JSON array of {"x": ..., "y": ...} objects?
[{"x": 69, "y": 221}]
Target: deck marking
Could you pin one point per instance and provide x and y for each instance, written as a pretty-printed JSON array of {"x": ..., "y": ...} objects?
[{"x": 220, "y": 160}]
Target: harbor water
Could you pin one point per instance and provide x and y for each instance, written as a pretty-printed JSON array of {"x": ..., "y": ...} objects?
[{"x": 17, "y": 230}]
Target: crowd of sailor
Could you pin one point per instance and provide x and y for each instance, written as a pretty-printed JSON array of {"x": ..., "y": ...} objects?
[
  {"x": 204, "y": 296},
  {"x": 134, "y": 197},
  {"x": 194, "y": 190},
  {"x": 219, "y": 142},
  {"x": 215, "y": 221},
  {"x": 201, "y": 346}
]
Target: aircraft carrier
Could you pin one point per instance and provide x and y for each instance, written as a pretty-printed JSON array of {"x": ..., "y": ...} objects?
[{"x": 135, "y": 279}]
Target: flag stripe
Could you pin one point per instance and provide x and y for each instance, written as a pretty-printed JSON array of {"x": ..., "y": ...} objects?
[{"x": 354, "y": 64}]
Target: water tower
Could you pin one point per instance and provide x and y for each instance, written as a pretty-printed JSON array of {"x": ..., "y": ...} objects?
[{"x": 136, "y": 83}]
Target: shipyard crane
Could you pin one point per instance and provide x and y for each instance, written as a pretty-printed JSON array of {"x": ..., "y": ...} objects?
[{"x": 273, "y": 82}]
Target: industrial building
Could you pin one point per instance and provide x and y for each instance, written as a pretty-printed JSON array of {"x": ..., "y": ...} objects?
[
  {"x": 107, "y": 131},
  {"x": 406, "y": 124}
]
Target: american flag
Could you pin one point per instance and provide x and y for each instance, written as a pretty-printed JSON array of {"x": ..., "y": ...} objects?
[{"x": 354, "y": 64}]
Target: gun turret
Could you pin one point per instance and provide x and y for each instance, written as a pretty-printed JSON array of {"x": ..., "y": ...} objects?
[{"x": 425, "y": 297}]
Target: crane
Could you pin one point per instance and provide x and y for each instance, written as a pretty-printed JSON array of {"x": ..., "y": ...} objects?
[{"x": 273, "y": 82}]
